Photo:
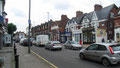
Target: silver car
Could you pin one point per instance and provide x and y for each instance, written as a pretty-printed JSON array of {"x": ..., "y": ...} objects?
[
  {"x": 53, "y": 45},
  {"x": 107, "y": 53},
  {"x": 72, "y": 45}
]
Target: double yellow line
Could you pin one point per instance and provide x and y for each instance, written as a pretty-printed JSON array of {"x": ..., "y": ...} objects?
[{"x": 44, "y": 59}]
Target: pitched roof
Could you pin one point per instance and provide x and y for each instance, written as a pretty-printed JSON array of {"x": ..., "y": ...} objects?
[
  {"x": 77, "y": 19},
  {"x": 89, "y": 15},
  {"x": 104, "y": 12}
]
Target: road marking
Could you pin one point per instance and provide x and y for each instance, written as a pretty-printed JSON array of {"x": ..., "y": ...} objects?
[{"x": 44, "y": 59}]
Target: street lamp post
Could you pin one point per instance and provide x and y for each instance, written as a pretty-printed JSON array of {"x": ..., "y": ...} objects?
[{"x": 29, "y": 22}]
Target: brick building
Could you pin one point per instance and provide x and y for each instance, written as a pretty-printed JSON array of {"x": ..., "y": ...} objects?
[
  {"x": 58, "y": 29},
  {"x": 99, "y": 24},
  {"x": 43, "y": 29},
  {"x": 117, "y": 27}
]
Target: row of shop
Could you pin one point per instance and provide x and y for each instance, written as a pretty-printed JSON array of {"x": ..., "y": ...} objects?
[{"x": 86, "y": 36}]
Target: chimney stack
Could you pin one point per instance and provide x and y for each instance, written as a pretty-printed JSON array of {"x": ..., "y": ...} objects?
[
  {"x": 64, "y": 17},
  {"x": 97, "y": 7},
  {"x": 79, "y": 13}
]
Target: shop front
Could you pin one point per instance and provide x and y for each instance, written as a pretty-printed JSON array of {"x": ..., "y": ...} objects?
[
  {"x": 117, "y": 35},
  {"x": 68, "y": 36},
  {"x": 88, "y": 36}
]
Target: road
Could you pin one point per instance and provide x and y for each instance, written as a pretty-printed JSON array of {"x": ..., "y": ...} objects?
[{"x": 67, "y": 58}]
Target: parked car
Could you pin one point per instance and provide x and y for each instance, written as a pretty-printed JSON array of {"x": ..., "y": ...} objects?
[
  {"x": 72, "y": 45},
  {"x": 34, "y": 42},
  {"x": 26, "y": 43},
  {"x": 21, "y": 40},
  {"x": 107, "y": 53},
  {"x": 53, "y": 45}
]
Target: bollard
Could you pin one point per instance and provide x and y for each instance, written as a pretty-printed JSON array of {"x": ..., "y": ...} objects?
[
  {"x": 15, "y": 51},
  {"x": 14, "y": 46},
  {"x": 16, "y": 61}
]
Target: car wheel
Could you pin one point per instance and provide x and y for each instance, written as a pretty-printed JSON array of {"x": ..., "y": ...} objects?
[
  {"x": 60, "y": 49},
  {"x": 81, "y": 55},
  {"x": 105, "y": 62},
  {"x": 72, "y": 48},
  {"x": 45, "y": 47}
]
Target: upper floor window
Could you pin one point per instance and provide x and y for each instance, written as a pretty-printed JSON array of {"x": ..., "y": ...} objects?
[
  {"x": 103, "y": 24},
  {"x": 119, "y": 13},
  {"x": 73, "y": 22},
  {"x": 111, "y": 24},
  {"x": 111, "y": 15}
]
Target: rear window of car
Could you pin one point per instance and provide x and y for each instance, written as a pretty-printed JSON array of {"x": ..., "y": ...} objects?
[
  {"x": 116, "y": 47},
  {"x": 56, "y": 42}
]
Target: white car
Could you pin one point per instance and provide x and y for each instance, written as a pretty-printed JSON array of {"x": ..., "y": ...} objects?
[
  {"x": 53, "y": 45},
  {"x": 72, "y": 45}
]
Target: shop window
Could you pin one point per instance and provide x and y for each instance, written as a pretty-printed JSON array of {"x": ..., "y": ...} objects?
[
  {"x": 117, "y": 34},
  {"x": 102, "y": 24}
]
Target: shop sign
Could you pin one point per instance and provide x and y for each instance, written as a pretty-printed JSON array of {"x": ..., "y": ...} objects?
[{"x": 101, "y": 32}]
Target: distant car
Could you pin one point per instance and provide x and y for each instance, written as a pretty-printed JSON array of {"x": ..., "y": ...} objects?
[
  {"x": 26, "y": 43},
  {"x": 72, "y": 45},
  {"x": 107, "y": 53},
  {"x": 21, "y": 40},
  {"x": 34, "y": 42},
  {"x": 53, "y": 45}
]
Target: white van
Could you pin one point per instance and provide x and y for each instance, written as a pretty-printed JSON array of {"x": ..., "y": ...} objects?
[
  {"x": 41, "y": 40},
  {"x": 21, "y": 40}
]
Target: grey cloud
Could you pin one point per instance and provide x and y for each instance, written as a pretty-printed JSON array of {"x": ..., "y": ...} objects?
[
  {"x": 17, "y": 12},
  {"x": 62, "y": 6}
]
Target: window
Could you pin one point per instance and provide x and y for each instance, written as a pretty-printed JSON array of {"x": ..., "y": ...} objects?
[
  {"x": 116, "y": 47},
  {"x": 111, "y": 15},
  {"x": 92, "y": 47},
  {"x": 102, "y": 48},
  {"x": 117, "y": 34},
  {"x": 111, "y": 24},
  {"x": 73, "y": 22},
  {"x": 102, "y": 24}
]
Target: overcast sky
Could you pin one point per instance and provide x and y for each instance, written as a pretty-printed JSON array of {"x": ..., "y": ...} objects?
[{"x": 17, "y": 10}]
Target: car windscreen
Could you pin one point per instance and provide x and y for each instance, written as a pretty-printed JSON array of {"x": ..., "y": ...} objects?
[
  {"x": 73, "y": 42},
  {"x": 56, "y": 42},
  {"x": 26, "y": 40},
  {"x": 115, "y": 47}
]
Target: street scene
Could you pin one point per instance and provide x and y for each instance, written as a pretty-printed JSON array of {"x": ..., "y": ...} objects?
[{"x": 59, "y": 34}]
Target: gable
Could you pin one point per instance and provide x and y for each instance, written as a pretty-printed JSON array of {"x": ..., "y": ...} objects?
[
  {"x": 73, "y": 21},
  {"x": 94, "y": 17},
  {"x": 85, "y": 20}
]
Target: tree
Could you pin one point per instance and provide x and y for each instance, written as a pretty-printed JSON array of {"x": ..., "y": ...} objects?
[{"x": 11, "y": 28}]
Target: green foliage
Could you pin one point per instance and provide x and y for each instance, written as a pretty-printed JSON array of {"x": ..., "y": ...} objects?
[{"x": 11, "y": 28}]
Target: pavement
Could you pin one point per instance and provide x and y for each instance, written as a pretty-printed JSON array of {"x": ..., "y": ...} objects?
[
  {"x": 26, "y": 60},
  {"x": 31, "y": 60},
  {"x": 6, "y": 54}
]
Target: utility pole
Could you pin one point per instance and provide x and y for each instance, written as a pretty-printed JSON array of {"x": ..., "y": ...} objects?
[
  {"x": 29, "y": 22},
  {"x": 48, "y": 16}
]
